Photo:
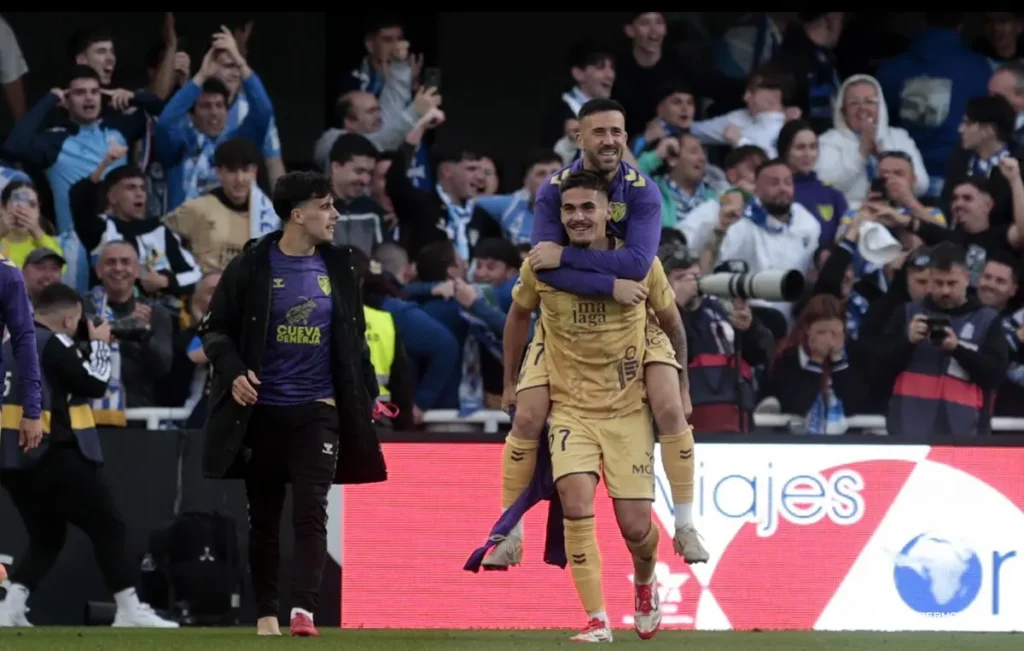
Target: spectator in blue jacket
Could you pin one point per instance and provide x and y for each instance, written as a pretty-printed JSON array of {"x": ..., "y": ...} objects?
[
  {"x": 70, "y": 150},
  {"x": 515, "y": 211},
  {"x": 928, "y": 87},
  {"x": 476, "y": 323},
  {"x": 185, "y": 147}
]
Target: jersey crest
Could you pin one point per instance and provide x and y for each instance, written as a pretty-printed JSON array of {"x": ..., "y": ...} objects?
[{"x": 618, "y": 211}]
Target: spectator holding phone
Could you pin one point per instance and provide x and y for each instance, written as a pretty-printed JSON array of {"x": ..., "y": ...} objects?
[
  {"x": 23, "y": 229},
  {"x": 948, "y": 356}
]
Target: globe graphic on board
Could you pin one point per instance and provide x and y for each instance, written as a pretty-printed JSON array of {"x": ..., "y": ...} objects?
[{"x": 937, "y": 576}]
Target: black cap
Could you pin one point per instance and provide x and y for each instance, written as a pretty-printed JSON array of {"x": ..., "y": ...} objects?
[
  {"x": 674, "y": 255},
  {"x": 40, "y": 254},
  {"x": 919, "y": 258}
]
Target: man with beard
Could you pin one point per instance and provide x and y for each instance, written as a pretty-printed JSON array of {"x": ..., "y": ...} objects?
[
  {"x": 948, "y": 355},
  {"x": 600, "y": 425},
  {"x": 636, "y": 218},
  {"x": 773, "y": 232}
]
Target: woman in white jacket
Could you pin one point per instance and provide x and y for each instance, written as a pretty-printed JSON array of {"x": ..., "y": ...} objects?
[{"x": 848, "y": 151}]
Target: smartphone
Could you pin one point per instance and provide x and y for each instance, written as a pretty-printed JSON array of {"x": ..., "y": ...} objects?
[
  {"x": 937, "y": 325},
  {"x": 432, "y": 78},
  {"x": 23, "y": 196},
  {"x": 878, "y": 185}
]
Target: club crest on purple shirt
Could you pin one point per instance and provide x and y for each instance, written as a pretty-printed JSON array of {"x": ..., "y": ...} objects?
[{"x": 325, "y": 284}]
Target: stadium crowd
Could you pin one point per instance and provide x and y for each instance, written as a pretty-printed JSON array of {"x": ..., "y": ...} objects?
[{"x": 895, "y": 188}]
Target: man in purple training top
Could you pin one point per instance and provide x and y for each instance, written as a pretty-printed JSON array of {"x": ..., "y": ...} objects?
[
  {"x": 16, "y": 315},
  {"x": 293, "y": 389},
  {"x": 636, "y": 218}
]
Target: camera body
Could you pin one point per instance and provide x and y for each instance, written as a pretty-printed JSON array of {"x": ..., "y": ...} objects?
[{"x": 126, "y": 328}]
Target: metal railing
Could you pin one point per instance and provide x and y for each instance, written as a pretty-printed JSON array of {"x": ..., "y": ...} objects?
[{"x": 492, "y": 420}]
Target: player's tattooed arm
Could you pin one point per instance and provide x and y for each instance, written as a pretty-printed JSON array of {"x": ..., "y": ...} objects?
[{"x": 676, "y": 333}]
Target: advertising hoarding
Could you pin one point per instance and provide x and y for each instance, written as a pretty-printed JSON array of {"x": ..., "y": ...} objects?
[{"x": 802, "y": 536}]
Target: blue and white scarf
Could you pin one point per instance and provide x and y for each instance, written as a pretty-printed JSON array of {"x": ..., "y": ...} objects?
[
  {"x": 984, "y": 167},
  {"x": 856, "y": 307},
  {"x": 369, "y": 80},
  {"x": 826, "y": 415},
  {"x": 684, "y": 202},
  {"x": 755, "y": 212},
  {"x": 110, "y": 409},
  {"x": 1015, "y": 373},
  {"x": 575, "y": 99},
  {"x": 481, "y": 340},
  {"x": 457, "y": 225},
  {"x": 262, "y": 217},
  {"x": 76, "y": 271}
]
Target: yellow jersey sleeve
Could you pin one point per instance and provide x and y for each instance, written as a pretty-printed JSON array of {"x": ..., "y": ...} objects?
[
  {"x": 659, "y": 293},
  {"x": 525, "y": 291}
]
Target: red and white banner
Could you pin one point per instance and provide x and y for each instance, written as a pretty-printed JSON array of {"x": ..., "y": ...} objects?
[{"x": 828, "y": 537}]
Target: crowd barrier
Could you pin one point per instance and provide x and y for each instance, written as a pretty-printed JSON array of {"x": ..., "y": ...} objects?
[
  {"x": 870, "y": 534},
  {"x": 491, "y": 420}
]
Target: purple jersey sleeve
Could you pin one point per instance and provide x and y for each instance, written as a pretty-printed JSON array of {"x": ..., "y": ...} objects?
[
  {"x": 643, "y": 232},
  {"x": 547, "y": 227},
  {"x": 16, "y": 312}
]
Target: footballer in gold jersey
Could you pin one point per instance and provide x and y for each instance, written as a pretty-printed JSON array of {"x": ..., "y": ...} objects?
[{"x": 596, "y": 349}]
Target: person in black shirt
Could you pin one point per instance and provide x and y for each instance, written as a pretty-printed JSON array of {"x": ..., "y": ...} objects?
[
  {"x": 986, "y": 139},
  {"x": 972, "y": 206},
  {"x": 59, "y": 482}
]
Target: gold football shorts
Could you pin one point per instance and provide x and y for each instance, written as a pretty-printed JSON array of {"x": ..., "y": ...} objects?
[{"x": 621, "y": 447}]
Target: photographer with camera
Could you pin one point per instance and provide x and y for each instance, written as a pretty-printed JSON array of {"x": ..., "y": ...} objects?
[
  {"x": 722, "y": 335},
  {"x": 947, "y": 354},
  {"x": 143, "y": 347},
  {"x": 59, "y": 481}
]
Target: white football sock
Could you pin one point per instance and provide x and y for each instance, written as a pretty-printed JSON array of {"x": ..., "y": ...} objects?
[
  {"x": 17, "y": 596},
  {"x": 517, "y": 529},
  {"x": 296, "y": 611},
  {"x": 602, "y": 615},
  {"x": 684, "y": 515},
  {"x": 127, "y": 599}
]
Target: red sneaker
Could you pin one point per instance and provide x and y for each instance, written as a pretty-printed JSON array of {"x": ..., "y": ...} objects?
[
  {"x": 302, "y": 626},
  {"x": 647, "y": 619},
  {"x": 596, "y": 631}
]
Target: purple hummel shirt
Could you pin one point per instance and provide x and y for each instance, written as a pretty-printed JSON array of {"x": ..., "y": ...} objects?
[
  {"x": 16, "y": 315},
  {"x": 297, "y": 358},
  {"x": 636, "y": 219}
]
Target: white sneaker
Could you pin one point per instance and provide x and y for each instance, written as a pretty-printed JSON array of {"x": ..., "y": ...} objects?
[
  {"x": 141, "y": 616},
  {"x": 647, "y": 619},
  {"x": 688, "y": 545},
  {"x": 596, "y": 631},
  {"x": 507, "y": 553},
  {"x": 13, "y": 608}
]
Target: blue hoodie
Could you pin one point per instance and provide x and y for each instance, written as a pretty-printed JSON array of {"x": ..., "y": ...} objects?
[
  {"x": 432, "y": 349},
  {"x": 927, "y": 90},
  {"x": 827, "y": 204}
]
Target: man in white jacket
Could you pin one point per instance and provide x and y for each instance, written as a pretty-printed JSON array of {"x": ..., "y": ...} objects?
[{"x": 848, "y": 158}]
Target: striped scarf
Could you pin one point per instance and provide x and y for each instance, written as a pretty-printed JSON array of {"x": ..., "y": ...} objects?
[
  {"x": 984, "y": 167},
  {"x": 458, "y": 223},
  {"x": 262, "y": 217},
  {"x": 685, "y": 203},
  {"x": 110, "y": 409},
  {"x": 856, "y": 307},
  {"x": 826, "y": 415},
  {"x": 481, "y": 340}
]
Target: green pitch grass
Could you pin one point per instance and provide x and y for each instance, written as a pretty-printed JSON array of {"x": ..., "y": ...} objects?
[{"x": 244, "y": 639}]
